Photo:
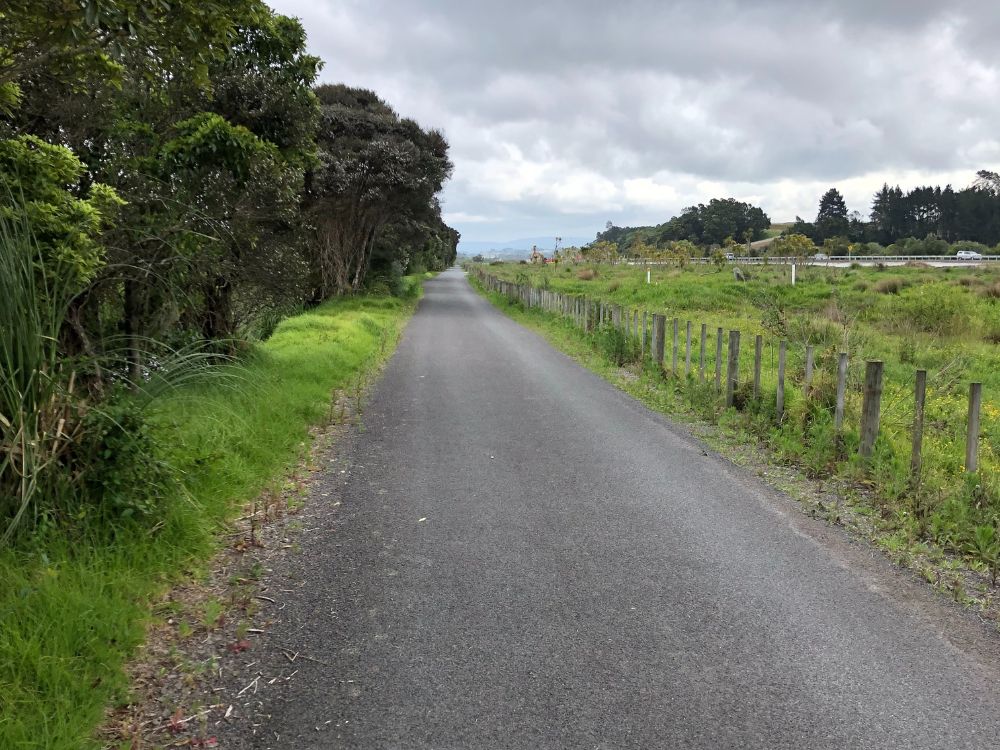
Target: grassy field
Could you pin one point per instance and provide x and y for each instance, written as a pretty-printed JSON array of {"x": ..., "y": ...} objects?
[
  {"x": 944, "y": 321},
  {"x": 776, "y": 229},
  {"x": 72, "y": 610}
]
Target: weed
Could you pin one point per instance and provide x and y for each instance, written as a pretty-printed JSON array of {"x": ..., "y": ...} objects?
[
  {"x": 616, "y": 346},
  {"x": 984, "y": 545},
  {"x": 212, "y": 614}
]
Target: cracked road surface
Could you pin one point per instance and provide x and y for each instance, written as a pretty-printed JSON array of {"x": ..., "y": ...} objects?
[{"x": 525, "y": 557}]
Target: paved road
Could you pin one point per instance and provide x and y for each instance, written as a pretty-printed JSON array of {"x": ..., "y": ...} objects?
[{"x": 525, "y": 557}]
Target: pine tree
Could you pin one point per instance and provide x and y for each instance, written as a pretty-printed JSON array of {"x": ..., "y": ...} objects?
[{"x": 831, "y": 220}]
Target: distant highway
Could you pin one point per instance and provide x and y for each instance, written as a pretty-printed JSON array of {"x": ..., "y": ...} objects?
[{"x": 844, "y": 261}]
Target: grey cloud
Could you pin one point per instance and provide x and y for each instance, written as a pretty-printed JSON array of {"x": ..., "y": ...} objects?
[{"x": 552, "y": 107}]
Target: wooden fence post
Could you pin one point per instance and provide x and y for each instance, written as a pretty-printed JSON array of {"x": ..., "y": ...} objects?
[
  {"x": 810, "y": 354},
  {"x": 972, "y": 438},
  {"x": 838, "y": 419},
  {"x": 659, "y": 323},
  {"x": 701, "y": 353},
  {"x": 780, "y": 396},
  {"x": 871, "y": 407},
  {"x": 642, "y": 337},
  {"x": 687, "y": 352},
  {"x": 733, "y": 366},
  {"x": 916, "y": 454},
  {"x": 673, "y": 360},
  {"x": 718, "y": 361},
  {"x": 758, "y": 348}
]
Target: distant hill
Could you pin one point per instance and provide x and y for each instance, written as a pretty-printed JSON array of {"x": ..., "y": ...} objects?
[{"x": 520, "y": 248}]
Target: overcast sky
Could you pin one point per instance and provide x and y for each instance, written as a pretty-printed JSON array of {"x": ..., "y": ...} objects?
[{"x": 564, "y": 115}]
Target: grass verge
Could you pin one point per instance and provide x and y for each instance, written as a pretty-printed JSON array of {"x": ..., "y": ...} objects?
[{"x": 72, "y": 611}]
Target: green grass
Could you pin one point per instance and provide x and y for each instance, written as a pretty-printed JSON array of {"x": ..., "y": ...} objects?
[
  {"x": 72, "y": 611},
  {"x": 777, "y": 228},
  {"x": 947, "y": 322}
]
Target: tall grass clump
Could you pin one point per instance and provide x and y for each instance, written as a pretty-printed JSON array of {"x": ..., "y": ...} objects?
[
  {"x": 76, "y": 451},
  {"x": 616, "y": 346},
  {"x": 39, "y": 413}
]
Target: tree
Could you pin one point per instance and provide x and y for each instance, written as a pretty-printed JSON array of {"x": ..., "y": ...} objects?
[
  {"x": 792, "y": 246},
  {"x": 373, "y": 167},
  {"x": 988, "y": 181},
  {"x": 601, "y": 251},
  {"x": 682, "y": 251},
  {"x": 831, "y": 219},
  {"x": 67, "y": 229},
  {"x": 711, "y": 224}
]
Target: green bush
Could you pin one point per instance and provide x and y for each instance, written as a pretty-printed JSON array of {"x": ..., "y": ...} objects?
[
  {"x": 396, "y": 280},
  {"x": 890, "y": 286},
  {"x": 616, "y": 346},
  {"x": 934, "y": 308},
  {"x": 120, "y": 470}
]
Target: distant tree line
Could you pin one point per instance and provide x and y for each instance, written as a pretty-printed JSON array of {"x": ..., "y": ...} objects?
[
  {"x": 930, "y": 217},
  {"x": 704, "y": 225},
  {"x": 923, "y": 221}
]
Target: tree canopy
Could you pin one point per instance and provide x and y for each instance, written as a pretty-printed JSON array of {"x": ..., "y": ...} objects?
[
  {"x": 704, "y": 225},
  {"x": 181, "y": 163},
  {"x": 926, "y": 218}
]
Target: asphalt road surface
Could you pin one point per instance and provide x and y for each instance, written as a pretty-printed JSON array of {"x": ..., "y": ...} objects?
[{"x": 525, "y": 557}]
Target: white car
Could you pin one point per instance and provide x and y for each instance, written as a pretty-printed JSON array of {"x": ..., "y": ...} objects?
[{"x": 968, "y": 255}]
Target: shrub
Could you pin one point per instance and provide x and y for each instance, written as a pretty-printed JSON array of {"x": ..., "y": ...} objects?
[
  {"x": 586, "y": 274},
  {"x": 822, "y": 391},
  {"x": 832, "y": 312},
  {"x": 616, "y": 346},
  {"x": 890, "y": 286},
  {"x": 396, "y": 281},
  {"x": 934, "y": 308},
  {"x": 614, "y": 286},
  {"x": 992, "y": 291},
  {"x": 815, "y": 331},
  {"x": 116, "y": 461}
]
